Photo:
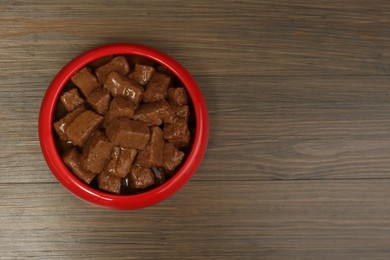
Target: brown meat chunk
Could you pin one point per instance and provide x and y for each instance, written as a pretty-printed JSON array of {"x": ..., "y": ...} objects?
[
  {"x": 83, "y": 126},
  {"x": 63, "y": 146},
  {"x": 154, "y": 113},
  {"x": 118, "y": 64},
  {"x": 164, "y": 70},
  {"x": 59, "y": 111},
  {"x": 177, "y": 96},
  {"x": 109, "y": 182},
  {"x": 159, "y": 175},
  {"x": 72, "y": 160},
  {"x": 181, "y": 111},
  {"x": 111, "y": 164},
  {"x": 152, "y": 155},
  {"x": 119, "y": 106},
  {"x": 96, "y": 153},
  {"x": 119, "y": 85},
  {"x": 142, "y": 74},
  {"x": 62, "y": 125},
  {"x": 177, "y": 133},
  {"x": 172, "y": 157},
  {"x": 99, "y": 99},
  {"x": 125, "y": 161},
  {"x": 128, "y": 133},
  {"x": 136, "y": 59},
  {"x": 71, "y": 99},
  {"x": 141, "y": 178},
  {"x": 121, "y": 161},
  {"x": 85, "y": 81},
  {"x": 157, "y": 88},
  {"x": 100, "y": 62}
]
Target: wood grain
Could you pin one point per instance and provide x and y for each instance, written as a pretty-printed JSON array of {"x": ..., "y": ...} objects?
[
  {"x": 298, "y": 162},
  {"x": 235, "y": 220},
  {"x": 236, "y": 38}
]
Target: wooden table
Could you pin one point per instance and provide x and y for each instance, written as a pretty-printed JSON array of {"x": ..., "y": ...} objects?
[{"x": 298, "y": 163}]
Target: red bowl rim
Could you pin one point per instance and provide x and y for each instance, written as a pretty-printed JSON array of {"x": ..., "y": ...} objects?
[{"x": 82, "y": 190}]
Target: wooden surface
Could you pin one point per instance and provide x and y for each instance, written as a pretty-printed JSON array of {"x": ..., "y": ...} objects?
[{"x": 298, "y": 164}]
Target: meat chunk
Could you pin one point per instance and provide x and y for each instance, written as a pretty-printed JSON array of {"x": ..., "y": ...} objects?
[
  {"x": 99, "y": 99},
  {"x": 85, "y": 81},
  {"x": 128, "y": 133},
  {"x": 141, "y": 178},
  {"x": 181, "y": 111},
  {"x": 82, "y": 127},
  {"x": 59, "y": 111},
  {"x": 177, "y": 133},
  {"x": 154, "y": 113},
  {"x": 125, "y": 161},
  {"x": 119, "y": 106},
  {"x": 62, "y": 125},
  {"x": 63, "y": 146},
  {"x": 164, "y": 70},
  {"x": 142, "y": 74},
  {"x": 71, "y": 99},
  {"x": 172, "y": 157},
  {"x": 119, "y": 85},
  {"x": 96, "y": 153},
  {"x": 136, "y": 59},
  {"x": 109, "y": 182},
  {"x": 157, "y": 87},
  {"x": 72, "y": 160},
  {"x": 152, "y": 155},
  {"x": 177, "y": 96},
  {"x": 111, "y": 164},
  {"x": 100, "y": 62},
  {"x": 121, "y": 161},
  {"x": 118, "y": 64},
  {"x": 159, "y": 175}
]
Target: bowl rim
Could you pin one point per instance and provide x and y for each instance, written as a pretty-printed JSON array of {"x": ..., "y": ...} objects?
[{"x": 107, "y": 200}]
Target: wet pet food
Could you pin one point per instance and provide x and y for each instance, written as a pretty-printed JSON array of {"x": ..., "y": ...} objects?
[{"x": 123, "y": 124}]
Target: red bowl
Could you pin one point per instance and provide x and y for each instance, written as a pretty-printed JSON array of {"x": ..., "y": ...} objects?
[{"x": 89, "y": 194}]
